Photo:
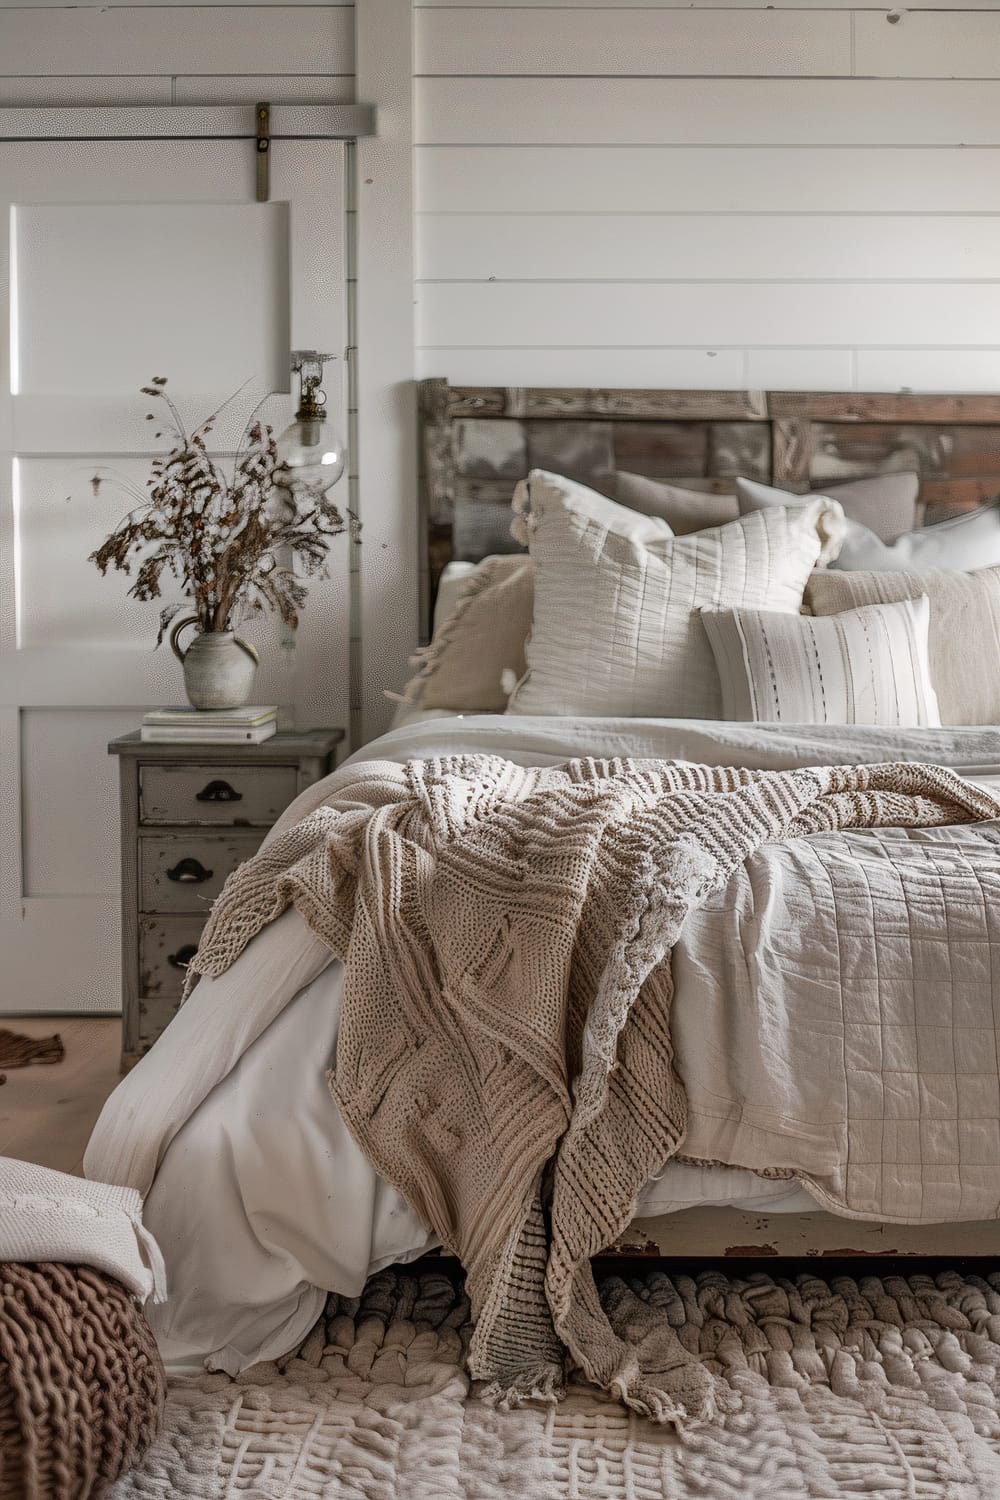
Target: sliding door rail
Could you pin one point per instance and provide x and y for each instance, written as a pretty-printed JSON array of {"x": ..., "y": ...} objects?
[{"x": 171, "y": 122}]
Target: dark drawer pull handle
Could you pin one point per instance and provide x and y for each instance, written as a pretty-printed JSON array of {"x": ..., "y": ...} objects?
[
  {"x": 183, "y": 956},
  {"x": 189, "y": 872},
  {"x": 218, "y": 791}
]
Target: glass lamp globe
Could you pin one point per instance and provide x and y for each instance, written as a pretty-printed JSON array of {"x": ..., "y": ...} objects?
[
  {"x": 310, "y": 448},
  {"x": 312, "y": 453}
]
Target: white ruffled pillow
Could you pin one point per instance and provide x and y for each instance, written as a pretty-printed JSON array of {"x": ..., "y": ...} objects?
[{"x": 616, "y": 629}]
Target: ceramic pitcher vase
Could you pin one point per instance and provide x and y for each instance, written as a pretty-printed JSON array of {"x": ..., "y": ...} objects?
[{"x": 219, "y": 667}]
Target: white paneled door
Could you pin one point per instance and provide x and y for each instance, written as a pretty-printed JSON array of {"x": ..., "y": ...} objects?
[{"x": 121, "y": 260}]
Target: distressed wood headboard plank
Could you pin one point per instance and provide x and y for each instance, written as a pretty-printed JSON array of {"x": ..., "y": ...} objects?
[{"x": 478, "y": 441}]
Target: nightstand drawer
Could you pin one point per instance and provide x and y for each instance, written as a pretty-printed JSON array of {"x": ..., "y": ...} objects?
[
  {"x": 166, "y": 944},
  {"x": 190, "y": 814},
  {"x": 237, "y": 795},
  {"x": 185, "y": 872}
]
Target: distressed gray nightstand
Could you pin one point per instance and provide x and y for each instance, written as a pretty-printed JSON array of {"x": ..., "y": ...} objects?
[{"x": 189, "y": 815}]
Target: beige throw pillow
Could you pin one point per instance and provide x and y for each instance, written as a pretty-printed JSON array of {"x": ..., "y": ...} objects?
[
  {"x": 478, "y": 650},
  {"x": 863, "y": 666},
  {"x": 684, "y": 510},
  {"x": 616, "y": 628},
  {"x": 964, "y": 634}
]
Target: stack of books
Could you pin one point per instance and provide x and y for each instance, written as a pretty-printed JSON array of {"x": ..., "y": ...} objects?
[{"x": 216, "y": 726}]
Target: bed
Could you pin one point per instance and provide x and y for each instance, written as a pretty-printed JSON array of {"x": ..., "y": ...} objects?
[{"x": 259, "y": 1196}]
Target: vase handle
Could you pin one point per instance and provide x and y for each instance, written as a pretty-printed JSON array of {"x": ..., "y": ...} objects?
[
  {"x": 175, "y": 635},
  {"x": 250, "y": 650}
]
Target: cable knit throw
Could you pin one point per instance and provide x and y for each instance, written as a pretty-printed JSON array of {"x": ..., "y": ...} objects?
[{"x": 504, "y": 1056}]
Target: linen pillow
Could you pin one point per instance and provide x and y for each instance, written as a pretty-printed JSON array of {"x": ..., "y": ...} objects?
[
  {"x": 885, "y": 506},
  {"x": 453, "y": 576},
  {"x": 480, "y": 645},
  {"x": 616, "y": 627},
  {"x": 964, "y": 635},
  {"x": 684, "y": 510},
  {"x": 968, "y": 541},
  {"x": 864, "y": 666}
]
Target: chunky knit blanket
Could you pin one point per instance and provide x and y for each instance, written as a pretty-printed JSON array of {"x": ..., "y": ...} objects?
[{"x": 504, "y": 1056}]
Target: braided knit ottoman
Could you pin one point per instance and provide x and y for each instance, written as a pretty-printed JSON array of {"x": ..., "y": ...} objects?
[{"x": 81, "y": 1382}]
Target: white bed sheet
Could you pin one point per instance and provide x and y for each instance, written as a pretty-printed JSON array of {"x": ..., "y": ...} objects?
[
  {"x": 264, "y": 1202},
  {"x": 257, "y": 1194}
]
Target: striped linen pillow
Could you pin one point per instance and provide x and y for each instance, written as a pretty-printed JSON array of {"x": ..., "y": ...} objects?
[{"x": 864, "y": 666}]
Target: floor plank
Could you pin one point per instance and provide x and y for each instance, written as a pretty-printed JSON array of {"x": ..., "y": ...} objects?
[{"x": 47, "y": 1111}]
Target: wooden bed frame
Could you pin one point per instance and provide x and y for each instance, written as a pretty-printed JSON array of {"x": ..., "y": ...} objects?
[{"x": 477, "y": 441}]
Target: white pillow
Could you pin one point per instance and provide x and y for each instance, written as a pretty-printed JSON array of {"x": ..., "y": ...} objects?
[
  {"x": 969, "y": 541},
  {"x": 616, "y": 627},
  {"x": 865, "y": 666},
  {"x": 885, "y": 504}
]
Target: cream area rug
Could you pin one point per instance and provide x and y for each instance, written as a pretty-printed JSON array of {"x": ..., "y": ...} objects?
[{"x": 876, "y": 1388}]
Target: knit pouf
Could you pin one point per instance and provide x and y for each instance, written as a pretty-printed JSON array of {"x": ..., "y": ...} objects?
[{"x": 81, "y": 1382}]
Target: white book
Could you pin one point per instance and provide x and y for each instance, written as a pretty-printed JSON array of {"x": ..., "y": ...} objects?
[
  {"x": 206, "y": 734},
  {"x": 192, "y": 718}
]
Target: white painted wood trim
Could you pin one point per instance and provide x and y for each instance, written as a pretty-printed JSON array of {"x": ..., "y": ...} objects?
[
  {"x": 706, "y": 112},
  {"x": 537, "y": 43},
  {"x": 289, "y": 122},
  {"x": 706, "y": 179},
  {"x": 384, "y": 393},
  {"x": 278, "y": 88},
  {"x": 704, "y": 247},
  {"x": 709, "y": 5},
  {"x": 732, "y": 314},
  {"x": 72, "y": 39}
]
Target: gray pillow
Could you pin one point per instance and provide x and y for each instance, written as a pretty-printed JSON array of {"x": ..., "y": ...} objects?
[{"x": 884, "y": 506}]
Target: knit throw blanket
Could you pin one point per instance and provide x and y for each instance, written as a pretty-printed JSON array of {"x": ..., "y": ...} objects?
[{"x": 504, "y": 1056}]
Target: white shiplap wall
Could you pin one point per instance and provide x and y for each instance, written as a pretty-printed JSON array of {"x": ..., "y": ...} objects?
[
  {"x": 801, "y": 196},
  {"x": 177, "y": 54}
]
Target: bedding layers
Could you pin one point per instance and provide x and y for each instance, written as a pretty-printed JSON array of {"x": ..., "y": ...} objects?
[
  {"x": 161, "y": 1115},
  {"x": 263, "y": 1209},
  {"x": 505, "y": 1054}
]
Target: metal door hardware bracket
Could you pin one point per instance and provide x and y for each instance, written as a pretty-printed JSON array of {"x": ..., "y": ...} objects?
[{"x": 263, "y": 152}]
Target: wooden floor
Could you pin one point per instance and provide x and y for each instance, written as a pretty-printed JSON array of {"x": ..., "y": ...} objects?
[{"x": 48, "y": 1110}]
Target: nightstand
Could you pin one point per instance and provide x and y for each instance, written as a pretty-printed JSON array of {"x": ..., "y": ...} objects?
[{"x": 189, "y": 815}]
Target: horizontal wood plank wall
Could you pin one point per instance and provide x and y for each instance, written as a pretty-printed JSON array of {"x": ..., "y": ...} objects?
[
  {"x": 709, "y": 195},
  {"x": 177, "y": 54}
]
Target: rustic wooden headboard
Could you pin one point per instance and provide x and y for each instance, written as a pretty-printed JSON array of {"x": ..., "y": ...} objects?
[{"x": 477, "y": 441}]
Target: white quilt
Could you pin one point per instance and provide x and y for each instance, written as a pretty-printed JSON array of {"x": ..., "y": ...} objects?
[{"x": 834, "y": 1017}]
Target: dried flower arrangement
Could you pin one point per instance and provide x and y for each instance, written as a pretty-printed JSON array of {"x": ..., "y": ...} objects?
[{"x": 228, "y": 540}]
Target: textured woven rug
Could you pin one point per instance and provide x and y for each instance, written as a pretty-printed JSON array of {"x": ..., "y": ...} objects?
[{"x": 877, "y": 1387}]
